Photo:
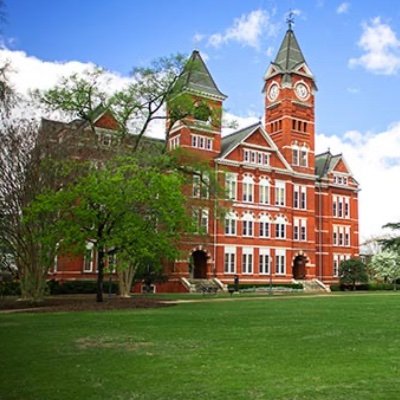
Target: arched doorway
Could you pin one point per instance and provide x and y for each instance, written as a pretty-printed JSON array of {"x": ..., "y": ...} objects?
[
  {"x": 199, "y": 264},
  {"x": 299, "y": 267}
]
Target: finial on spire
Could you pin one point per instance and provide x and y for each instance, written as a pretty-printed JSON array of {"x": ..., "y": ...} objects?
[{"x": 290, "y": 19}]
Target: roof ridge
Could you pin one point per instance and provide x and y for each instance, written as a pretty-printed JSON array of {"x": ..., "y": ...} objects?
[{"x": 242, "y": 129}]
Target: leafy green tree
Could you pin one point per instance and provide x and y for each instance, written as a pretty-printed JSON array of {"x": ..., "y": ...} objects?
[
  {"x": 127, "y": 209},
  {"x": 353, "y": 271},
  {"x": 387, "y": 266},
  {"x": 135, "y": 106},
  {"x": 393, "y": 242}
]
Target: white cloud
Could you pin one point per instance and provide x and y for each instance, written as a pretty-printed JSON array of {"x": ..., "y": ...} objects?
[
  {"x": 198, "y": 37},
  {"x": 375, "y": 161},
  {"x": 343, "y": 8},
  {"x": 246, "y": 30},
  {"x": 381, "y": 47},
  {"x": 353, "y": 90}
]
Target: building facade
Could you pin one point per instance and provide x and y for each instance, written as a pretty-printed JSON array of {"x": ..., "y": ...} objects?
[{"x": 291, "y": 214}]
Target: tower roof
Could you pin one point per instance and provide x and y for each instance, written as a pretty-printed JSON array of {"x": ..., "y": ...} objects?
[
  {"x": 197, "y": 78},
  {"x": 289, "y": 55}
]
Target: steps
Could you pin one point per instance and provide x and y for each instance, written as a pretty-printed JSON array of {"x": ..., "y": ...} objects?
[
  {"x": 202, "y": 285},
  {"x": 312, "y": 285}
]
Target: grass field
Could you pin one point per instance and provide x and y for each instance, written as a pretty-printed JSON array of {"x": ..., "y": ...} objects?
[{"x": 335, "y": 347}]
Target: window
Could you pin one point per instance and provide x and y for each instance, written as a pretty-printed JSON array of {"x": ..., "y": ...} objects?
[
  {"x": 337, "y": 259},
  {"x": 341, "y": 206},
  {"x": 247, "y": 224},
  {"x": 280, "y": 262},
  {"x": 174, "y": 142},
  {"x": 300, "y": 197},
  {"x": 264, "y": 191},
  {"x": 264, "y": 226},
  {"x": 200, "y": 217},
  {"x": 280, "y": 193},
  {"x": 280, "y": 228},
  {"x": 340, "y": 180},
  {"x": 248, "y": 189},
  {"x": 88, "y": 259},
  {"x": 264, "y": 261},
  {"x": 112, "y": 262},
  {"x": 201, "y": 184},
  {"x": 300, "y": 229},
  {"x": 256, "y": 157},
  {"x": 247, "y": 261},
  {"x": 230, "y": 224},
  {"x": 341, "y": 235},
  {"x": 295, "y": 156},
  {"x": 202, "y": 142},
  {"x": 229, "y": 260},
  {"x": 230, "y": 186},
  {"x": 303, "y": 157}
]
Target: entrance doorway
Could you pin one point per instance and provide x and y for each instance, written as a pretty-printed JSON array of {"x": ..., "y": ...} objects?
[
  {"x": 199, "y": 264},
  {"x": 299, "y": 267}
]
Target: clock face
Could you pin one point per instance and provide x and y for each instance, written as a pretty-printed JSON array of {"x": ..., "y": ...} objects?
[
  {"x": 302, "y": 91},
  {"x": 273, "y": 92}
]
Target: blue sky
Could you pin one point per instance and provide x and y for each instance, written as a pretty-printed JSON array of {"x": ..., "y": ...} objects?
[
  {"x": 121, "y": 34},
  {"x": 352, "y": 47}
]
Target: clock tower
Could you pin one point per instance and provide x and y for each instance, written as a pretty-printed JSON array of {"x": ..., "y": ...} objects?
[{"x": 289, "y": 104}]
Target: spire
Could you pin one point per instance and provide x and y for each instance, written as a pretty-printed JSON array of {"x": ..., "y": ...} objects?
[
  {"x": 197, "y": 78},
  {"x": 289, "y": 55}
]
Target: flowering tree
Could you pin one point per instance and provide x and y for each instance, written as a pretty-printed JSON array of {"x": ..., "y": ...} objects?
[{"x": 387, "y": 266}]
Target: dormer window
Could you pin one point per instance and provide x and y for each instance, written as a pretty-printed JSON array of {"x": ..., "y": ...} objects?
[
  {"x": 340, "y": 180},
  {"x": 256, "y": 157}
]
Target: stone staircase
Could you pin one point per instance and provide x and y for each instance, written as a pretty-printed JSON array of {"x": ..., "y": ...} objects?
[
  {"x": 312, "y": 285},
  {"x": 203, "y": 285}
]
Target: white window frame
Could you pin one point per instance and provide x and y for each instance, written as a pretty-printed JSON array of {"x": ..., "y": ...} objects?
[
  {"x": 247, "y": 261},
  {"x": 230, "y": 260},
  {"x": 89, "y": 248},
  {"x": 231, "y": 185},
  {"x": 280, "y": 262},
  {"x": 230, "y": 227},
  {"x": 248, "y": 189},
  {"x": 264, "y": 189},
  {"x": 264, "y": 261},
  {"x": 280, "y": 193}
]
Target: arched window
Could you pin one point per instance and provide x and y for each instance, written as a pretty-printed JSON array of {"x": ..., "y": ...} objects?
[
  {"x": 280, "y": 227},
  {"x": 264, "y": 188},
  {"x": 248, "y": 224},
  {"x": 230, "y": 224},
  {"x": 264, "y": 226},
  {"x": 248, "y": 189}
]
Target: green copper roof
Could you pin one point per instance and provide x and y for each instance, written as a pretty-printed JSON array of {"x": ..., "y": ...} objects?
[
  {"x": 231, "y": 140},
  {"x": 325, "y": 162},
  {"x": 289, "y": 55},
  {"x": 197, "y": 77}
]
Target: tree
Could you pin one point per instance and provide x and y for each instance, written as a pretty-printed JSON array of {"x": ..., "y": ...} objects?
[
  {"x": 387, "y": 266},
  {"x": 352, "y": 271},
  {"x": 131, "y": 210},
  {"x": 393, "y": 242},
  {"x": 135, "y": 106}
]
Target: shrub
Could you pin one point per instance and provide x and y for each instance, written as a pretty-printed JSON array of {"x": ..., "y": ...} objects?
[
  {"x": 78, "y": 287},
  {"x": 9, "y": 288},
  {"x": 244, "y": 286}
]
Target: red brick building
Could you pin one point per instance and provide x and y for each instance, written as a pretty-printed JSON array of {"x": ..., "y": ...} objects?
[{"x": 292, "y": 214}]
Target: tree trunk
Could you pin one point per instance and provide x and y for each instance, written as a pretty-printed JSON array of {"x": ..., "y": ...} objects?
[
  {"x": 100, "y": 275},
  {"x": 125, "y": 280}
]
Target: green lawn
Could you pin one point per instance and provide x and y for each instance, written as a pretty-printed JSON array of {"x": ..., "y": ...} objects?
[{"x": 336, "y": 347}]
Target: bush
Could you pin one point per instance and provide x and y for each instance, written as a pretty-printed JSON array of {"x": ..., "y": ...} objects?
[
  {"x": 79, "y": 287},
  {"x": 244, "y": 286},
  {"x": 365, "y": 286},
  {"x": 9, "y": 288}
]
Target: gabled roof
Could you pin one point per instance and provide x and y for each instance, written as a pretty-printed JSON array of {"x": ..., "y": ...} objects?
[
  {"x": 196, "y": 77},
  {"x": 230, "y": 141},
  {"x": 326, "y": 163}
]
